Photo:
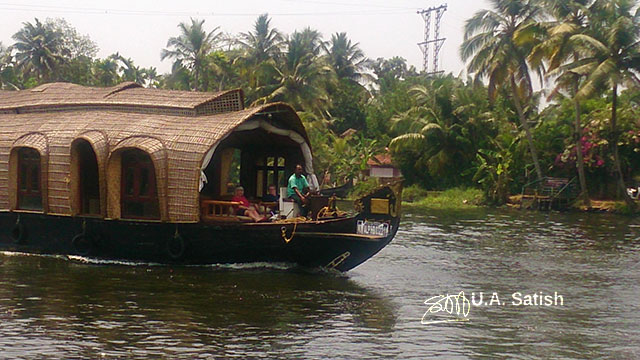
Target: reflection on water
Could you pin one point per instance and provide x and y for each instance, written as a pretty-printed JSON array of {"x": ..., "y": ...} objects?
[
  {"x": 58, "y": 308},
  {"x": 590, "y": 259}
]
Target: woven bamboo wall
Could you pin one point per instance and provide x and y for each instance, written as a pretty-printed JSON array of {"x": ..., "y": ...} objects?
[{"x": 176, "y": 144}]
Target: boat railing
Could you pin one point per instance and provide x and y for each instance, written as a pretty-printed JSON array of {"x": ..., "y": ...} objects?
[{"x": 217, "y": 209}]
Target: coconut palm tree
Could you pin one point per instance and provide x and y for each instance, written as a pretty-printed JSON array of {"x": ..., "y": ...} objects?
[
  {"x": 6, "y": 68},
  {"x": 438, "y": 127},
  {"x": 263, "y": 43},
  {"x": 558, "y": 49},
  {"x": 492, "y": 50},
  {"x": 106, "y": 71},
  {"x": 38, "y": 48},
  {"x": 612, "y": 48},
  {"x": 190, "y": 48},
  {"x": 129, "y": 71},
  {"x": 300, "y": 77},
  {"x": 261, "y": 48},
  {"x": 347, "y": 59},
  {"x": 151, "y": 74},
  {"x": 303, "y": 46}
]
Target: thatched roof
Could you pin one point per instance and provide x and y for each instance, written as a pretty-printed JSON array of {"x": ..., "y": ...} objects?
[
  {"x": 177, "y": 141},
  {"x": 128, "y": 94}
]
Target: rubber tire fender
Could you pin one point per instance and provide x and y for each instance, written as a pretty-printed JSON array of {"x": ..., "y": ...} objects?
[
  {"x": 82, "y": 244},
  {"x": 175, "y": 247},
  {"x": 19, "y": 233}
]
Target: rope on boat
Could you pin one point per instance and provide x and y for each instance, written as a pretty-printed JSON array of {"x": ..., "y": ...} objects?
[
  {"x": 284, "y": 233},
  {"x": 331, "y": 210},
  {"x": 298, "y": 219},
  {"x": 327, "y": 212}
]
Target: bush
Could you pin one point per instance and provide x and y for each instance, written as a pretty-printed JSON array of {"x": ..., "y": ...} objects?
[
  {"x": 622, "y": 208},
  {"x": 413, "y": 193},
  {"x": 364, "y": 187},
  {"x": 452, "y": 199}
]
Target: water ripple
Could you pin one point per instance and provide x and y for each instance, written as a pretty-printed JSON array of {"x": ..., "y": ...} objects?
[{"x": 78, "y": 307}]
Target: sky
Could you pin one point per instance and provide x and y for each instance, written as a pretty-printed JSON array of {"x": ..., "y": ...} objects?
[{"x": 140, "y": 29}]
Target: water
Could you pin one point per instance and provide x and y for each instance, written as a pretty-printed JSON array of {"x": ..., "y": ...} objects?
[{"x": 54, "y": 307}]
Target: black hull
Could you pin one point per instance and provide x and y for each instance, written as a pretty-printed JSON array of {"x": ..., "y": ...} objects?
[{"x": 329, "y": 243}]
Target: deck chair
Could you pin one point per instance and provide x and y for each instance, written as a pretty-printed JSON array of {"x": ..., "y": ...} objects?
[{"x": 288, "y": 207}]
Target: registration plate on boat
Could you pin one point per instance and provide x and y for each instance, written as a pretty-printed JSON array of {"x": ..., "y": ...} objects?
[{"x": 365, "y": 227}]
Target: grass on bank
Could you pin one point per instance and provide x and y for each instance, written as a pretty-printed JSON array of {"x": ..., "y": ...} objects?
[
  {"x": 611, "y": 206},
  {"x": 415, "y": 196},
  {"x": 452, "y": 199}
]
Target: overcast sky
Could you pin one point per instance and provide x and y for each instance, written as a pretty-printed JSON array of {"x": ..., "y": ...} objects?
[{"x": 140, "y": 29}]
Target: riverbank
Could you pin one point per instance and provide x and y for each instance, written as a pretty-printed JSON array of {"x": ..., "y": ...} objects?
[
  {"x": 451, "y": 199},
  {"x": 468, "y": 198},
  {"x": 608, "y": 206}
]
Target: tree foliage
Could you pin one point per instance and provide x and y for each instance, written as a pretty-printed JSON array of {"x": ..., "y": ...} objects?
[{"x": 443, "y": 131}]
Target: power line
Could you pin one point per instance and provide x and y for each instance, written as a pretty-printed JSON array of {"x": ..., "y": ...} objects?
[
  {"x": 106, "y": 11},
  {"x": 359, "y": 4}
]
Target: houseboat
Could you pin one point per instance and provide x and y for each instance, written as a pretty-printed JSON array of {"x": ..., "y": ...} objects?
[{"x": 142, "y": 174}]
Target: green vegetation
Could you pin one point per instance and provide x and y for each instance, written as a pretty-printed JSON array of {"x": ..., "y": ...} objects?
[
  {"x": 364, "y": 187},
  {"x": 488, "y": 131},
  {"x": 450, "y": 199}
]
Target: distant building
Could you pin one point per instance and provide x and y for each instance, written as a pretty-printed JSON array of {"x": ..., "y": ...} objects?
[{"x": 381, "y": 166}]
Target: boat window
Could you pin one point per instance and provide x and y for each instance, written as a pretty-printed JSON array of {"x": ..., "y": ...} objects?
[
  {"x": 270, "y": 170},
  {"x": 139, "y": 193},
  {"x": 29, "y": 189}
]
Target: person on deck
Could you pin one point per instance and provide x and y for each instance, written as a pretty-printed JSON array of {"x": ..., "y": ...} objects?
[
  {"x": 245, "y": 208},
  {"x": 271, "y": 197},
  {"x": 295, "y": 187}
]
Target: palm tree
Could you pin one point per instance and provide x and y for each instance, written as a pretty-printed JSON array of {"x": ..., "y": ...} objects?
[
  {"x": 612, "y": 48},
  {"x": 263, "y": 43},
  {"x": 261, "y": 49},
  {"x": 38, "y": 48},
  {"x": 347, "y": 59},
  {"x": 151, "y": 74},
  {"x": 300, "y": 78},
  {"x": 437, "y": 128},
  {"x": 303, "y": 46},
  {"x": 191, "y": 47},
  {"x": 490, "y": 44},
  {"x": 6, "y": 68},
  {"x": 106, "y": 71},
  {"x": 560, "y": 49},
  {"x": 130, "y": 72}
]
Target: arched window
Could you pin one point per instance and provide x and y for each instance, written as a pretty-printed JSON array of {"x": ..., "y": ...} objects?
[
  {"x": 139, "y": 194},
  {"x": 29, "y": 180},
  {"x": 85, "y": 178}
]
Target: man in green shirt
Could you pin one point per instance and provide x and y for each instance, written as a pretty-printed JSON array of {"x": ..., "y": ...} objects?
[{"x": 295, "y": 188}]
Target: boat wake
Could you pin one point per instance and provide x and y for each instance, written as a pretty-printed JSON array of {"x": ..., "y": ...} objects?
[
  {"x": 17, "y": 253},
  {"x": 97, "y": 261}
]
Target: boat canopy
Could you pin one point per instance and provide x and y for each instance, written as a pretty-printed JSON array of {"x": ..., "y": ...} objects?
[{"x": 181, "y": 132}]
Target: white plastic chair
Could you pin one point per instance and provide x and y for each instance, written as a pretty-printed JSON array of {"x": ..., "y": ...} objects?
[{"x": 287, "y": 207}]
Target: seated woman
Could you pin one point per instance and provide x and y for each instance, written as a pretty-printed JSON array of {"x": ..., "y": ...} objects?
[{"x": 245, "y": 208}]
